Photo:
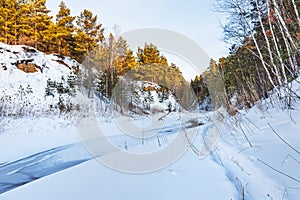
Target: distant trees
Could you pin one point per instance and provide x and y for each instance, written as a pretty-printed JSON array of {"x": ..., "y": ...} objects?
[
  {"x": 111, "y": 70},
  {"x": 105, "y": 61},
  {"x": 264, "y": 35},
  {"x": 200, "y": 87},
  {"x": 154, "y": 67},
  {"x": 106, "y": 64},
  {"x": 81, "y": 37},
  {"x": 24, "y": 22}
]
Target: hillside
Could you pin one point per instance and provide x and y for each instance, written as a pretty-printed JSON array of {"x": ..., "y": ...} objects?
[
  {"x": 24, "y": 74},
  {"x": 32, "y": 81}
]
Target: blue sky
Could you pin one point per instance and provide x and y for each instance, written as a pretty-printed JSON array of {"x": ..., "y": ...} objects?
[{"x": 194, "y": 19}]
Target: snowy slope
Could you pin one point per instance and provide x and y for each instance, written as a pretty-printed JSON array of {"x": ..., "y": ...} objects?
[
  {"x": 149, "y": 97},
  {"x": 48, "y": 66},
  {"x": 270, "y": 168},
  {"x": 20, "y": 90},
  {"x": 24, "y": 72}
]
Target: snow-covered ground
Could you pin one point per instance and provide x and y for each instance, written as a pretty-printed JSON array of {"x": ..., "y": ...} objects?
[
  {"x": 189, "y": 177},
  {"x": 268, "y": 170},
  {"x": 44, "y": 155}
]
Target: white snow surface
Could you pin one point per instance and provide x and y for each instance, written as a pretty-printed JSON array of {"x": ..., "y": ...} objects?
[
  {"x": 41, "y": 157},
  {"x": 188, "y": 178},
  {"x": 232, "y": 170}
]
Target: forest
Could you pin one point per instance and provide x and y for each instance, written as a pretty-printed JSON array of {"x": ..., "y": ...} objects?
[
  {"x": 28, "y": 22},
  {"x": 264, "y": 56}
]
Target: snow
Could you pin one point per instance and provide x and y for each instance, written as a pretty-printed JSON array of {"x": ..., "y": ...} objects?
[
  {"x": 31, "y": 101},
  {"x": 232, "y": 169},
  {"x": 249, "y": 164},
  {"x": 44, "y": 155},
  {"x": 149, "y": 186},
  {"x": 25, "y": 136},
  {"x": 91, "y": 180}
]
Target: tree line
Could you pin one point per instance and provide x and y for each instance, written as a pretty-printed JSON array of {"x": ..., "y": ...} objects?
[
  {"x": 28, "y": 22},
  {"x": 111, "y": 70},
  {"x": 104, "y": 60},
  {"x": 264, "y": 56}
]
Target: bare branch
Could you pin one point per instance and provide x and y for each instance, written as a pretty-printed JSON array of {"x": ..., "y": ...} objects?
[
  {"x": 284, "y": 140},
  {"x": 280, "y": 172}
]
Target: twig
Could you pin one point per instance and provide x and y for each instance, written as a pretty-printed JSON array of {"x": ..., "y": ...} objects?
[
  {"x": 286, "y": 189},
  {"x": 161, "y": 118},
  {"x": 247, "y": 127},
  {"x": 195, "y": 150},
  {"x": 283, "y": 139},
  {"x": 241, "y": 188},
  {"x": 292, "y": 118},
  {"x": 252, "y": 123},
  {"x": 217, "y": 155},
  {"x": 290, "y": 157},
  {"x": 280, "y": 172},
  {"x": 245, "y": 136},
  {"x": 244, "y": 149}
]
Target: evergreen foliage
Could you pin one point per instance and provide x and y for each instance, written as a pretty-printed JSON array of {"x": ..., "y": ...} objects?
[{"x": 28, "y": 22}]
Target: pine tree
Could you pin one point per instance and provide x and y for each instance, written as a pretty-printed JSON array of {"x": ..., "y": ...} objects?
[
  {"x": 88, "y": 34},
  {"x": 29, "y": 89},
  {"x": 40, "y": 23},
  {"x": 8, "y": 17},
  {"x": 49, "y": 39},
  {"x": 60, "y": 88},
  {"x": 21, "y": 92},
  {"x": 64, "y": 30},
  {"x": 51, "y": 86},
  {"x": 14, "y": 17},
  {"x": 125, "y": 60},
  {"x": 163, "y": 60},
  {"x": 71, "y": 80},
  {"x": 149, "y": 55},
  {"x": 110, "y": 71},
  {"x": 25, "y": 29},
  {"x": 129, "y": 62}
]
